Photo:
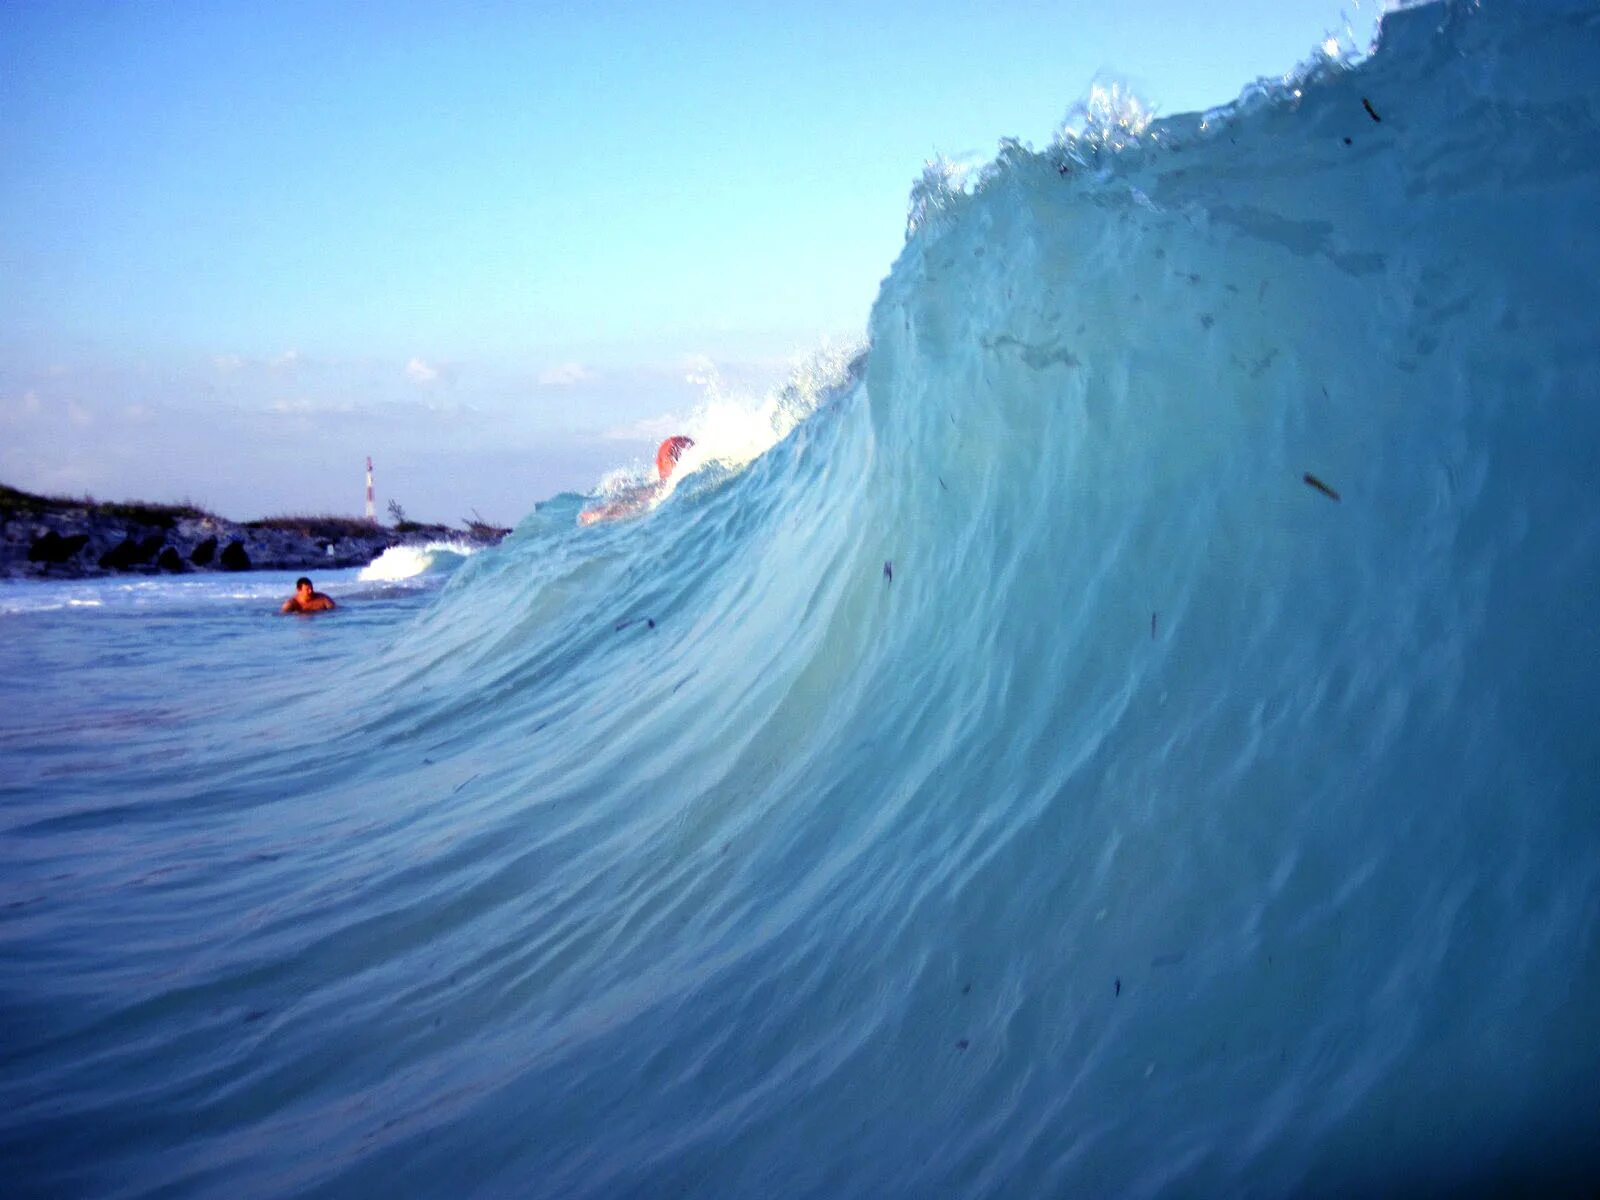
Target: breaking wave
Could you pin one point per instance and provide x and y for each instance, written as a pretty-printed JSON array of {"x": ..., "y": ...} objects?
[
  {"x": 406, "y": 562},
  {"x": 1132, "y": 733}
]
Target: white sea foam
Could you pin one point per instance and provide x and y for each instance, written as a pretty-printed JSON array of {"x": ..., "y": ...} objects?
[
  {"x": 175, "y": 593},
  {"x": 399, "y": 563}
]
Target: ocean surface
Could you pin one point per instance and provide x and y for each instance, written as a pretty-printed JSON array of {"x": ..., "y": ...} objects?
[{"x": 1132, "y": 731}]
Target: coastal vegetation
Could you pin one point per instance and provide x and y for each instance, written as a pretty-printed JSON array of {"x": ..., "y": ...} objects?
[
  {"x": 483, "y": 530},
  {"x": 318, "y": 525},
  {"x": 16, "y": 502}
]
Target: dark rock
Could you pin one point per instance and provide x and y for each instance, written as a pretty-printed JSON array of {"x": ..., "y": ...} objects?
[
  {"x": 234, "y": 558},
  {"x": 120, "y": 555},
  {"x": 53, "y": 548},
  {"x": 58, "y": 539},
  {"x": 132, "y": 552}
]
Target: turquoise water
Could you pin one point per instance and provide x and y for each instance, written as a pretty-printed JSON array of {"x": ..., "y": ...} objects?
[{"x": 1018, "y": 781}]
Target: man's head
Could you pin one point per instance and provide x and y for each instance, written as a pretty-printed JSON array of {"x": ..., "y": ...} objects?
[
  {"x": 668, "y": 453},
  {"x": 302, "y": 587}
]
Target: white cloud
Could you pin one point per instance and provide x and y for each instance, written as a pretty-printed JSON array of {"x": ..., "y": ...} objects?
[
  {"x": 646, "y": 429},
  {"x": 137, "y": 412},
  {"x": 699, "y": 369},
  {"x": 279, "y": 364},
  {"x": 79, "y": 415},
  {"x": 422, "y": 372},
  {"x": 20, "y": 409},
  {"x": 565, "y": 375},
  {"x": 300, "y": 406}
]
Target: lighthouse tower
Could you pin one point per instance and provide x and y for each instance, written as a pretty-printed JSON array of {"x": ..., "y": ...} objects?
[{"x": 370, "y": 512}]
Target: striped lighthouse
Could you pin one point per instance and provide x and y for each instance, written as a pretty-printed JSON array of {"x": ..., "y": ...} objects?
[{"x": 370, "y": 512}]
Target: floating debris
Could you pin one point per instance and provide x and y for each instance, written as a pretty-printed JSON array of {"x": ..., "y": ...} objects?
[
  {"x": 1118, "y": 984},
  {"x": 1371, "y": 112},
  {"x": 1327, "y": 491},
  {"x": 888, "y": 570},
  {"x": 1152, "y": 627},
  {"x": 466, "y": 781},
  {"x": 963, "y": 1044}
]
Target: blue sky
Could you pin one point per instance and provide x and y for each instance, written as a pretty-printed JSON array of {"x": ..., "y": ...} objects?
[{"x": 242, "y": 246}]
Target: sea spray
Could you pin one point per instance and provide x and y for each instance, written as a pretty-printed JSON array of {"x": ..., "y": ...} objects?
[{"x": 731, "y": 428}]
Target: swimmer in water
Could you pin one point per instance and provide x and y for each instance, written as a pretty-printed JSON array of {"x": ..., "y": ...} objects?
[
  {"x": 634, "y": 501},
  {"x": 307, "y": 599}
]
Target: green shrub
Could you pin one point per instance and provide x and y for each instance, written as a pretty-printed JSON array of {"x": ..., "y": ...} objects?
[
  {"x": 15, "y": 501},
  {"x": 327, "y": 526}
]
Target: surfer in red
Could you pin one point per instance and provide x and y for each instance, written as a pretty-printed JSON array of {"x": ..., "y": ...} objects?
[
  {"x": 668, "y": 453},
  {"x": 635, "y": 500}
]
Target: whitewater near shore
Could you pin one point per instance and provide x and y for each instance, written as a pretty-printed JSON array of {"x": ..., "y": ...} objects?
[{"x": 1135, "y": 736}]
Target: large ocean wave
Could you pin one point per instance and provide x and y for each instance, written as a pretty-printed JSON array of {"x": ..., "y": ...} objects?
[{"x": 1136, "y": 735}]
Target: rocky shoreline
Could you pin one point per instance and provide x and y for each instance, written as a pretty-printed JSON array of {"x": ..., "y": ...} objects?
[{"x": 46, "y": 538}]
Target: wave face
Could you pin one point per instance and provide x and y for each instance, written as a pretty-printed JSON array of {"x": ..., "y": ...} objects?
[{"x": 1020, "y": 780}]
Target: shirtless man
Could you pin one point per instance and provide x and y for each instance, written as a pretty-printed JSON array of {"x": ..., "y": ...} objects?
[
  {"x": 667, "y": 455},
  {"x": 306, "y": 600}
]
